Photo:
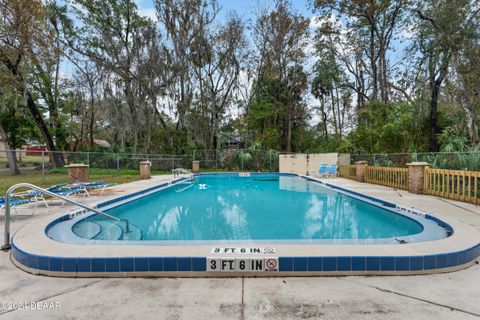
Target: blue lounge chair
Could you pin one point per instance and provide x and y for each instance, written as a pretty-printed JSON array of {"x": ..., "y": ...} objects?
[
  {"x": 332, "y": 171},
  {"x": 94, "y": 186},
  {"x": 60, "y": 189},
  {"x": 13, "y": 203},
  {"x": 322, "y": 170}
]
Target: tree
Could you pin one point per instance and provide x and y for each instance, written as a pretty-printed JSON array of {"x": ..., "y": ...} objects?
[
  {"x": 375, "y": 22},
  {"x": 111, "y": 35},
  {"x": 332, "y": 88},
  {"x": 217, "y": 58},
  {"x": 26, "y": 35},
  {"x": 442, "y": 29},
  {"x": 280, "y": 37},
  {"x": 185, "y": 24}
]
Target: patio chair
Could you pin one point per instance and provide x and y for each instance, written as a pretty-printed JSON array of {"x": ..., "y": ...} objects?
[
  {"x": 321, "y": 171},
  {"x": 14, "y": 203},
  {"x": 94, "y": 186},
  {"x": 332, "y": 171},
  {"x": 36, "y": 196}
]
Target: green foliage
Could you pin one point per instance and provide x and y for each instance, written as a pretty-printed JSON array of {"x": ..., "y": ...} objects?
[
  {"x": 16, "y": 120},
  {"x": 382, "y": 128}
]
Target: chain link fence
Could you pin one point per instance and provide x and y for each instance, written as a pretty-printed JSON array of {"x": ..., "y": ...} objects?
[
  {"x": 36, "y": 166},
  {"x": 237, "y": 160},
  {"x": 442, "y": 160}
]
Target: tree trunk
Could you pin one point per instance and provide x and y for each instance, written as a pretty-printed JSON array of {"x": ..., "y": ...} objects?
[
  {"x": 373, "y": 63},
  {"x": 435, "y": 84},
  {"x": 383, "y": 76},
  {"x": 289, "y": 134},
  {"x": 472, "y": 125},
  {"x": 11, "y": 157},
  {"x": 335, "y": 125},
  {"x": 56, "y": 158},
  {"x": 92, "y": 113},
  {"x": 432, "y": 144},
  {"x": 471, "y": 122},
  {"x": 324, "y": 117},
  {"x": 339, "y": 121}
]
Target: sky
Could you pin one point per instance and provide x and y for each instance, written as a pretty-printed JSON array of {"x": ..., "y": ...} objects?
[{"x": 244, "y": 8}]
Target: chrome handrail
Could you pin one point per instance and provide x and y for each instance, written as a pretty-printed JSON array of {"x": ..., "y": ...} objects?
[
  {"x": 7, "y": 246},
  {"x": 177, "y": 171}
]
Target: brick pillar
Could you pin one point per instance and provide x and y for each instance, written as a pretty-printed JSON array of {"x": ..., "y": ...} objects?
[
  {"x": 416, "y": 176},
  {"x": 77, "y": 172},
  {"x": 145, "y": 170},
  {"x": 361, "y": 168},
  {"x": 195, "y": 166}
]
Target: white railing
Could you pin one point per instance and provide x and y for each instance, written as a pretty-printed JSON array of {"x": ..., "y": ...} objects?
[{"x": 178, "y": 171}]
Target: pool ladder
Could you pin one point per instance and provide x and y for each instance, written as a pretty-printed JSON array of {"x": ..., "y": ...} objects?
[
  {"x": 178, "y": 171},
  {"x": 6, "y": 245}
]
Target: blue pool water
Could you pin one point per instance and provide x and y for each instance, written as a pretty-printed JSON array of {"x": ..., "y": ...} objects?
[{"x": 260, "y": 207}]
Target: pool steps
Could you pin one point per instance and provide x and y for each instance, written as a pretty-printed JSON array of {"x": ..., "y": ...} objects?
[{"x": 104, "y": 230}]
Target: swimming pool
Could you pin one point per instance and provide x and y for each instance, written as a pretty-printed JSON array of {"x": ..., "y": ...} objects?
[
  {"x": 256, "y": 208},
  {"x": 247, "y": 224}
]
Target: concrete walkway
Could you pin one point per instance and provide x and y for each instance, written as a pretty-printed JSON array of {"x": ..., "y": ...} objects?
[{"x": 444, "y": 296}]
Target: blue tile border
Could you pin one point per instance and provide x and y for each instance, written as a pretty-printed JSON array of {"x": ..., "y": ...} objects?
[{"x": 286, "y": 264}]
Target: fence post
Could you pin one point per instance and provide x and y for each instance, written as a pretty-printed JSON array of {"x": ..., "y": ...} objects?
[
  {"x": 195, "y": 166},
  {"x": 43, "y": 166},
  {"x": 270, "y": 156},
  {"x": 361, "y": 168},
  {"x": 118, "y": 162},
  {"x": 88, "y": 158},
  {"x": 145, "y": 170},
  {"x": 416, "y": 177},
  {"x": 77, "y": 172}
]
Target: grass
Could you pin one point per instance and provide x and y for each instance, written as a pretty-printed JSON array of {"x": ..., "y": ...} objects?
[
  {"x": 56, "y": 176},
  {"x": 25, "y": 161}
]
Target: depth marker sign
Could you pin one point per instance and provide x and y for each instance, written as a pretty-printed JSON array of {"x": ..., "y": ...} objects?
[
  {"x": 243, "y": 250},
  {"x": 236, "y": 264}
]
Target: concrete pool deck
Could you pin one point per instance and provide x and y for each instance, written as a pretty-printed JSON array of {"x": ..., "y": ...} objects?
[{"x": 440, "y": 296}]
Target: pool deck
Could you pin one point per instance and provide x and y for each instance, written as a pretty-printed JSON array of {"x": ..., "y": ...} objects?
[{"x": 438, "y": 296}]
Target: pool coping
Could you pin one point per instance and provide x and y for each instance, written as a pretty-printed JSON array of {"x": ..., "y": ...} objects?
[{"x": 34, "y": 252}]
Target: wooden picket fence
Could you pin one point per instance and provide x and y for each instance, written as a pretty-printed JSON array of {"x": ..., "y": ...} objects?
[
  {"x": 347, "y": 171},
  {"x": 453, "y": 184},
  {"x": 388, "y": 176}
]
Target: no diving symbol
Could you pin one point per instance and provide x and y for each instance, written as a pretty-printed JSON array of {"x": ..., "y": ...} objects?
[
  {"x": 271, "y": 263},
  {"x": 268, "y": 250}
]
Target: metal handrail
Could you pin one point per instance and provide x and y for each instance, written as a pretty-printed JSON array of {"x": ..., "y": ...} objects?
[
  {"x": 7, "y": 246},
  {"x": 177, "y": 171}
]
